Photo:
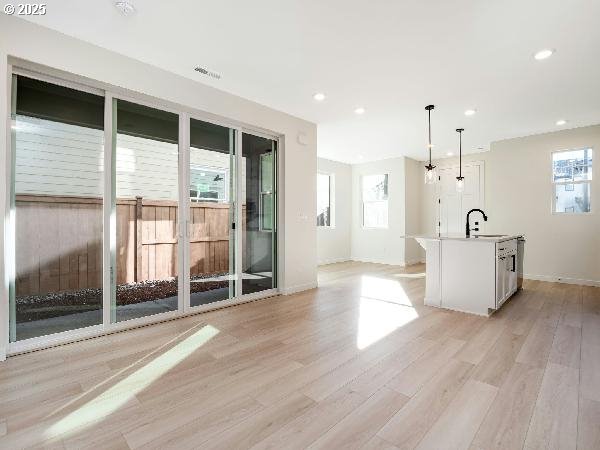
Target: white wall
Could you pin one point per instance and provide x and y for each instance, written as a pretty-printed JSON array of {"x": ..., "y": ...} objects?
[
  {"x": 518, "y": 199},
  {"x": 334, "y": 242},
  {"x": 414, "y": 183},
  {"x": 31, "y": 42},
  {"x": 380, "y": 245}
]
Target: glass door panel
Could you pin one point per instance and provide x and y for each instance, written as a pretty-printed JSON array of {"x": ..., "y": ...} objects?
[
  {"x": 212, "y": 210},
  {"x": 146, "y": 179},
  {"x": 259, "y": 213},
  {"x": 58, "y": 145}
]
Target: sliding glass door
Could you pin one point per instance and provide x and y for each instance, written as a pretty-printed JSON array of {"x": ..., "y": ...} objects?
[
  {"x": 259, "y": 213},
  {"x": 146, "y": 179},
  {"x": 58, "y": 150},
  {"x": 110, "y": 198},
  {"x": 212, "y": 196}
]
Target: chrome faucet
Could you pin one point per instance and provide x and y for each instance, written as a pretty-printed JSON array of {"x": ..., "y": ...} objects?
[{"x": 467, "y": 228}]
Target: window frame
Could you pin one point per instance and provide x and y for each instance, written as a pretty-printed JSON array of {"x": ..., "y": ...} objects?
[
  {"x": 331, "y": 177},
  {"x": 261, "y": 202},
  {"x": 223, "y": 171},
  {"x": 363, "y": 201},
  {"x": 555, "y": 183}
]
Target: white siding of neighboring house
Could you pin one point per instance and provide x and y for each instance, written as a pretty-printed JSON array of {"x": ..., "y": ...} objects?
[{"x": 59, "y": 159}]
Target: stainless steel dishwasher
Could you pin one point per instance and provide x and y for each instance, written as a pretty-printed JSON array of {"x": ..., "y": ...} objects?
[{"x": 520, "y": 257}]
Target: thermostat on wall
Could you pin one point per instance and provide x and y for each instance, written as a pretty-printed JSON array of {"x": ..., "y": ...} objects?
[{"x": 302, "y": 140}]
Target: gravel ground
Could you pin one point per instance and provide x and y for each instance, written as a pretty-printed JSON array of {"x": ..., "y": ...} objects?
[{"x": 37, "y": 307}]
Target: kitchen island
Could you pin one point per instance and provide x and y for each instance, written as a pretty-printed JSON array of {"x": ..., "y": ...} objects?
[{"x": 473, "y": 274}]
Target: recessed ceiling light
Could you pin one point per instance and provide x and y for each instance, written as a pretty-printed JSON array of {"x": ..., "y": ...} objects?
[
  {"x": 544, "y": 54},
  {"x": 470, "y": 112},
  {"x": 125, "y": 7},
  {"x": 450, "y": 154},
  {"x": 359, "y": 110},
  {"x": 561, "y": 122},
  {"x": 319, "y": 96}
]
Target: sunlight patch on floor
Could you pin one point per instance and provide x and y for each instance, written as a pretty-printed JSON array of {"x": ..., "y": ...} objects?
[
  {"x": 384, "y": 289},
  {"x": 379, "y": 318},
  {"x": 384, "y": 307},
  {"x": 125, "y": 390}
]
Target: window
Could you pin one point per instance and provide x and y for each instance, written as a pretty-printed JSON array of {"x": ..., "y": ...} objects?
[
  {"x": 209, "y": 184},
  {"x": 375, "y": 201},
  {"x": 266, "y": 191},
  {"x": 324, "y": 200},
  {"x": 58, "y": 203},
  {"x": 572, "y": 179}
]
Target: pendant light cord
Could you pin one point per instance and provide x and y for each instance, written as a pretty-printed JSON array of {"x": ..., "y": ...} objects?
[
  {"x": 459, "y": 131},
  {"x": 428, "y": 108},
  {"x": 460, "y": 154},
  {"x": 429, "y": 123}
]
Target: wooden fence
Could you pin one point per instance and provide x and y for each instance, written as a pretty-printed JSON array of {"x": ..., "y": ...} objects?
[{"x": 59, "y": 241}]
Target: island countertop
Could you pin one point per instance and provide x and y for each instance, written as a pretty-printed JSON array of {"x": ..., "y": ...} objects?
[{"x": 463, "y": 237}]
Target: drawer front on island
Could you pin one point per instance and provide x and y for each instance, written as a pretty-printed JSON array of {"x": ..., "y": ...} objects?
[{"x": 506, "y": 247}]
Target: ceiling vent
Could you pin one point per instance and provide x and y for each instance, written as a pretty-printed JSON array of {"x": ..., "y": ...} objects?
[
  {"x": 208, "y": 73},
  {"x": 125, "y": 7}
]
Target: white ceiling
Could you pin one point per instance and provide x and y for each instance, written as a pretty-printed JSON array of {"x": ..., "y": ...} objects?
[{"x": 392, "y": 57}]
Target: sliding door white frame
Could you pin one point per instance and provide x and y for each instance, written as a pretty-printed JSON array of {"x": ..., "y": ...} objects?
[
  {"x": 183, "y": 213},
  {"x": 238, "y": 212},
  {"x": 9, "y": 224},
  {"x": 109, "y": 324},
  {"x": 109, "y": 212}
]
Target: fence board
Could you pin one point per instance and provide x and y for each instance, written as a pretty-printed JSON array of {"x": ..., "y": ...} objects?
[{"x": 59, "y": 241}]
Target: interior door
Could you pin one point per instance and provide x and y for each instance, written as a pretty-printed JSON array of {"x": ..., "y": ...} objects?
[
  {"x": 453, "y": 206},
  {"x": 450, "y": 208}
]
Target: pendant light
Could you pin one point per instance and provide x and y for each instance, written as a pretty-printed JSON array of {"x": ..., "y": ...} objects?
[
  {"x": 430, "y": 174},
  {"x": 460, "y": 180}
]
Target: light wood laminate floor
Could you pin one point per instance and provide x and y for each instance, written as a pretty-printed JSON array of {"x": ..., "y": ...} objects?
[{"x": 358, "y": 363}]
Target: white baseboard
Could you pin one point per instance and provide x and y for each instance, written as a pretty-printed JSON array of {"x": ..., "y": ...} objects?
[
  {"x": 412, "y": 262},
  {"x": 378, "y": 261},
  {"x": 299, "y": 288},
  {"x": 333, "y": 261},
  {"x": 2, "y": 354},
  {"x": 555, "y": 279},
  {"x": 389, "y": 263}
]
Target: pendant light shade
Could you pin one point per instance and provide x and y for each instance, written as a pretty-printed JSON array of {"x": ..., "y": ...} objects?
[
  {"x": 431, "y": 175},
  {"x": 460, "y": 180},
  {"x": 430, "y": 170}
]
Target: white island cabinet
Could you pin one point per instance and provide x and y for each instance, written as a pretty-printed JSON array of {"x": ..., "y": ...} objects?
[{"x": 474, "y": 274}]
